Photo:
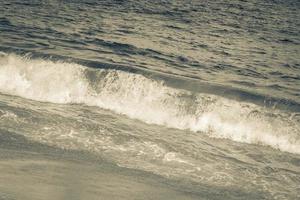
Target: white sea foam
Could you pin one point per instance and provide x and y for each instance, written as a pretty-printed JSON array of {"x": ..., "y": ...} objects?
[{"x": 148, "y": 100}]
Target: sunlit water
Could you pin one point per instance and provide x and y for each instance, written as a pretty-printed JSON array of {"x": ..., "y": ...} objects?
[{"x": 181, "y": 99}]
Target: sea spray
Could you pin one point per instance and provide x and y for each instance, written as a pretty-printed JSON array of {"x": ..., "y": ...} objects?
[{"x": 151, "y": 101}]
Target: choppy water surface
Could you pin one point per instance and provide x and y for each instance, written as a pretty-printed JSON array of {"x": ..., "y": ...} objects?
[{"x": 201, "y": 95}]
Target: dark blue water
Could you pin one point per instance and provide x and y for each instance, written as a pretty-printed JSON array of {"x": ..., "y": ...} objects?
[{"x": 198, "y": 95}]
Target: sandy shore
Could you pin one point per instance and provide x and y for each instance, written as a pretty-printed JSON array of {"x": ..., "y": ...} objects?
[{"x": 34, "y": 171}]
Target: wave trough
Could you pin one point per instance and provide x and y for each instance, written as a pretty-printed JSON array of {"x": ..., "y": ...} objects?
[{"x": 151, "y": 101}]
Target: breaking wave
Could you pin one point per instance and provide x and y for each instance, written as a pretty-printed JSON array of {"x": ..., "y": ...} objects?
[{"x": 151, "y": 101}]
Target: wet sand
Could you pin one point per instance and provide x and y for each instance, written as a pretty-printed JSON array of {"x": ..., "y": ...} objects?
[{"x": 34, "y": 171}]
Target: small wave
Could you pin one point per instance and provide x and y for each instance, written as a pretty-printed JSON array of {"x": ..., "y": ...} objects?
[
  {"x": 148, "y": 100},
  {"x": 4, "y": 22}
]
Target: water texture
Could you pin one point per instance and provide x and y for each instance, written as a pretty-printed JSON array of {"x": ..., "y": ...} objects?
[{"x": 200, "y": 98}]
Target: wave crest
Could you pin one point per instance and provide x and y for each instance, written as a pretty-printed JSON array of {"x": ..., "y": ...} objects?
[{"x": 149, "y": 100}]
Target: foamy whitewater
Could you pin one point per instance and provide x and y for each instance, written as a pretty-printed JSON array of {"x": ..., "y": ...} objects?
[{"x": 149, "y": 100}]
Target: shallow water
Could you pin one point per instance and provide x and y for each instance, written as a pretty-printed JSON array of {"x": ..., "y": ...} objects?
[{"x": 179, "y": 99}]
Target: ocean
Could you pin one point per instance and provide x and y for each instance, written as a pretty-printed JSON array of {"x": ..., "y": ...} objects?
[{"x": 137, "y": 99}]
